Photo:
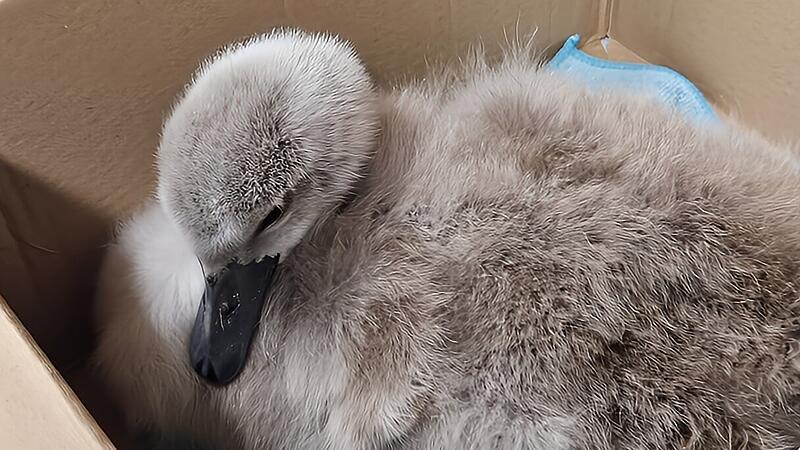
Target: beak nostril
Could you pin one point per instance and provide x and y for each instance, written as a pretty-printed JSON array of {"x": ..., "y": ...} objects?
[{"x": 226, "y": 309}]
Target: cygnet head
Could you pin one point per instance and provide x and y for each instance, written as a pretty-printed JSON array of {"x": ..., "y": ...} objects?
[
  {"x": 268, "y": 138},
  {"x": 266, "y": 141}
]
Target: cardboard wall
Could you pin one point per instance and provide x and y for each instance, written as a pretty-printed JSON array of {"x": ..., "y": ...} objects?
[
  {"x": 39, "y": 411},
  {"x": 84, "y": 85},
  {"x": 743, "y": 54}
]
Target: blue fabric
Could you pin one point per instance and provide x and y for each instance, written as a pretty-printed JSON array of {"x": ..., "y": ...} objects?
[{"x": 661, "y": 82}]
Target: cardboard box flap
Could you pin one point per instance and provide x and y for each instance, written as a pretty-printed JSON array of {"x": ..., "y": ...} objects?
[{"x": 39, "y": 410}]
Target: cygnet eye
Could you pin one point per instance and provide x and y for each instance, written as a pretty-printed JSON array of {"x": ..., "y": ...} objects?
[{"x": 270, "y": 219}]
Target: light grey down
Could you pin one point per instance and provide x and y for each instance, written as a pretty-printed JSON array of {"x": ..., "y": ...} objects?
[{"x": 489, "y": 258}]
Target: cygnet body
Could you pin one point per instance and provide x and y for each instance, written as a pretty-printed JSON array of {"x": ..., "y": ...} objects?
[{"x": 494, "y": 258}]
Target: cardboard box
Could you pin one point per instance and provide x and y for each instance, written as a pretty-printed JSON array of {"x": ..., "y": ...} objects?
[
  {"x": 84, "y": 86},
  {"x": 37, "y": 408}
]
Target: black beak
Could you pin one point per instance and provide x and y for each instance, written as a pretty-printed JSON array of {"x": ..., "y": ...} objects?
[{"x": 227, "y": 319}]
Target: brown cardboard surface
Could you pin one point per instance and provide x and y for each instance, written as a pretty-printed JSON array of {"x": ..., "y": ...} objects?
[
  {"x": 37, "y": 408},
  {"x": 742, "y": 54}
]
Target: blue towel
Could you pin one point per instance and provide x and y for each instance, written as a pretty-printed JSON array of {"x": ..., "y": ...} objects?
[{"x": 660, "y": 82}]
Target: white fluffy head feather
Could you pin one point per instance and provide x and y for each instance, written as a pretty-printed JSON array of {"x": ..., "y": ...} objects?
[{"x": 284, "y": 120}]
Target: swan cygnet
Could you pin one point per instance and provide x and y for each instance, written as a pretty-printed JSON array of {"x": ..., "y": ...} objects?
[{"x": 524, "y": 265}]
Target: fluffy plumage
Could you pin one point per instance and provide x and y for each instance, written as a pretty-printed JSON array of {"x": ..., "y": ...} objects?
[
  {"x": 526, "y": 265},
  {"x": 265, "y": 123}
]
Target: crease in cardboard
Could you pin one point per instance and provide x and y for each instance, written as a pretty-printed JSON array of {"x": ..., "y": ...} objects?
[
  {"x": 605, "y": 11},
  {"x": 20, "y": 283}
]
